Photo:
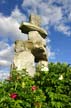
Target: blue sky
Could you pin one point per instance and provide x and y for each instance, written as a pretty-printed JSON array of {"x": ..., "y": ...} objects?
[{"x": 56, "y": 20}]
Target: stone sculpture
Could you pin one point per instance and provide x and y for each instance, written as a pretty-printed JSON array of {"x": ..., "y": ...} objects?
[{"x": 32, "y": 51}]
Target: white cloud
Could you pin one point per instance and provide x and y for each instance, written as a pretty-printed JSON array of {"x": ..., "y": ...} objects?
[
  {"x": 10, "y": 25},
  {"x": 53, "y": 13},
  {"x": 7, "y": 52},
  {"x": 4, "y": 63},
  {"x": 6, "y": 56},
  {"x": 51, "y": 54},
  {"x": 4, "y": 75},
  {"x": 65, "y": 29},
  {"x": 48, "y": 40},
  {"x": 69, "y": 17},
  {"x": 3, "y": 45},
  {"x": 17, "y": 15}
]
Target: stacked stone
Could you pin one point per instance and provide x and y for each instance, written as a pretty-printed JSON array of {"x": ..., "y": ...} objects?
[{"x": 33, "y": 50}]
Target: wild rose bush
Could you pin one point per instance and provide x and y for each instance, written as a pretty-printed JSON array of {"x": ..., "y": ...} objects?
[
  {"x": 48, "y": 89},
  {"x": 20, "y": 91}
]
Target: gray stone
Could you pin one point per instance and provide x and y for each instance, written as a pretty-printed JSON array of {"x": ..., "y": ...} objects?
[
  {"x": 21, "y": 46},
  {"x": 36, "y": 48},
  {"x": 32, "y": 50},
  {"x": 34, "y": 25},
  {"x": 35, "y": 37},
  {"x": 24, "y": 60},
  {"x": 41, "y": 64},
  {"x": 39, "y": 53},
  {"x": 35, "y": 19},
  {"x": 27, "y": 27}
]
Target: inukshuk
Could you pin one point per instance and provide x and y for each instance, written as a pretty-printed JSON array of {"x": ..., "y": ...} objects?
[{"x": 32, "y": 51}]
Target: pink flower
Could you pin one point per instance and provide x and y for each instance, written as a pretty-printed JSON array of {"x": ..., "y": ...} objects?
[
  {"x": 34, "y": 88},
  {"x": 13, "y": 95}
]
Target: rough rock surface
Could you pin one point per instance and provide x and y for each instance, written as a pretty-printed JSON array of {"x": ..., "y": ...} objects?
[
  {"x": 35, "y": 19},
  {"x": 33, "y": 50},
  {"x": 24, "y": 60},
  {"x": 21, "y": 46},
  {"x": 35, "y": 36},
  {"x": 41, "y": 64},
  {"x": 27, "y": 27}
]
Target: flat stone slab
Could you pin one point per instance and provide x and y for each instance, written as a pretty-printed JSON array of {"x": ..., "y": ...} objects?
[{"x": 27, "y": 27}]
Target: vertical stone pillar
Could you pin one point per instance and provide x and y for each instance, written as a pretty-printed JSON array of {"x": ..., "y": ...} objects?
[{"x": 23, "y": 58}]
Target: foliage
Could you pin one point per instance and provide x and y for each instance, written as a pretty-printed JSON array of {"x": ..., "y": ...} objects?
[{"x": 47, "y": 89}]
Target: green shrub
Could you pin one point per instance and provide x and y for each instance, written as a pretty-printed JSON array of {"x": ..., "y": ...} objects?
[{"x": 48, "y": 89}]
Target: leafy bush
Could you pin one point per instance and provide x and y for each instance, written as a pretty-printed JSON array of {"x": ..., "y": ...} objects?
[{"x": 48, "y": 89}]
